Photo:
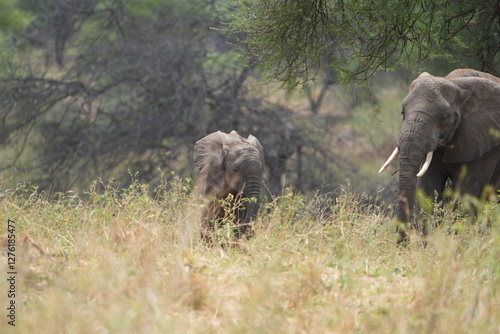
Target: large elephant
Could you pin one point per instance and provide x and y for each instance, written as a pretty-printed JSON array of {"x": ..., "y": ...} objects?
[
  {"x": 450, "y": 131},
  {"x": 229, "y": 164}
]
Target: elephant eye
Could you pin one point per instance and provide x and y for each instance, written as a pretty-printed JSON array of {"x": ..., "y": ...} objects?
[{"x": 445, "y": 116}]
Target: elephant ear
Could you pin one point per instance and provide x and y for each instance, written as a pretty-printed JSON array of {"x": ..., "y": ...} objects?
[
  {"x": 479, "y": 129},
  {"x": 255, "y": 143},
  {"x": 209, "y": 156}
]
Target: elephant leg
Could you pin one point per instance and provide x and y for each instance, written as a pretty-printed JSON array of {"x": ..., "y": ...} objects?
[
  {"x": 472, "y": 177},
  {"x": 210, "y": 214},
  {"x": 479, "y": 173},
  {"x": 239, "y": 207},
  {"x": 495, "y": 180},
  {"x": 431, "y": 186},
  {"x": 482, "y": 178},
  {"x": 245, "y": 213},
  {"x": 205, "y": 224},
  {"x": 242, "y": 227}
]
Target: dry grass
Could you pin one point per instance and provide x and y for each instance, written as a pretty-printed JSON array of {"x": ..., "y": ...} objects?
[{"x": 127, "y": 263}]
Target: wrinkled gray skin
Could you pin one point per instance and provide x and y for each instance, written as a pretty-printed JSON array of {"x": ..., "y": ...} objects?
[
  {"x": 454, "y": 117},
  {"x": 229, "y": 164}
]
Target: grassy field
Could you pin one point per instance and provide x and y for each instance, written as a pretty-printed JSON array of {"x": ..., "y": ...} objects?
[{"x": 128, "y": 262}]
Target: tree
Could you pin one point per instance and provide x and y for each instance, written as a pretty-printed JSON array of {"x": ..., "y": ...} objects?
[
  {"x": 122, "y": 85},
  {"x": 107, "y": 88},
  {"x": 295, "y": 38}
]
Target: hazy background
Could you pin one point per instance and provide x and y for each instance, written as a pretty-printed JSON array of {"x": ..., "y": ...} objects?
[{"x": 122, "y": 89}]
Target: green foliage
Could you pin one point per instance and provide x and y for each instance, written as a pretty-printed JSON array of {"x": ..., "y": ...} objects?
[
  {"x": 294, "y": 39},
  {"x": 224, "y": 229},
  {"x": 380, "y": 104},
  {"x": 155, "y": 10},
  {"x": 12, "y": 18},
  {"x": 146, "y": 8},
  {"x": 224, "y": 232},
  {"x": 289, "y": 38}
]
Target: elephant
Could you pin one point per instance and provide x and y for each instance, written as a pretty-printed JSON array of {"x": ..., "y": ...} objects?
[
  {"x": 229, "y": 164},
  {"x": 450, "y": 132}
]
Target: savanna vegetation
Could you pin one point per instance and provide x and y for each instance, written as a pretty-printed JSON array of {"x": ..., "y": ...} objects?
[
  {"x": 101, "y": 102},
  {"x": 121, "y": 261}
]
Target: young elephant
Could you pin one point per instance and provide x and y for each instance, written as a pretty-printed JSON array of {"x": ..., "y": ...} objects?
[
  {"x": 229, "y": 164},
  {"x": 450, "y": 131}
]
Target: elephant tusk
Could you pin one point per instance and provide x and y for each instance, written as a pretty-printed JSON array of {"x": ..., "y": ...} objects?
[
  {"x": 427, "y": 162},
  {"x": 390, "y": 160}
]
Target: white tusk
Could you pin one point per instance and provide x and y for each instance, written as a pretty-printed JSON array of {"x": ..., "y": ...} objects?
[
  {"x": 427, "y": 162},
  {"x": 390, "y": 160}
]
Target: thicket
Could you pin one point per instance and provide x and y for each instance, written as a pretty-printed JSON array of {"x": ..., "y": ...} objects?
[{"x": 105, "y": 88}]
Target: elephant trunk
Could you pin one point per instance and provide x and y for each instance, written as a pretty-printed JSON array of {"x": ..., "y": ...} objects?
[
  {"x": 408, "y": 170},
  {"x": 251, "y": 205},
  {"x": 406, "y": 194},
  {"x": 413, "y": 151}
]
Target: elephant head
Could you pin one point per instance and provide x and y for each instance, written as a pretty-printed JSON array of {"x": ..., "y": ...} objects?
[
  {"x": 447, "y": 121},
  {"x": 230, "y": 164}
]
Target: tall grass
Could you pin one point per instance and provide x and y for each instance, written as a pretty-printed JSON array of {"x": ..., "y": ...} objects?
[{"x": 127, "y": 262}]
